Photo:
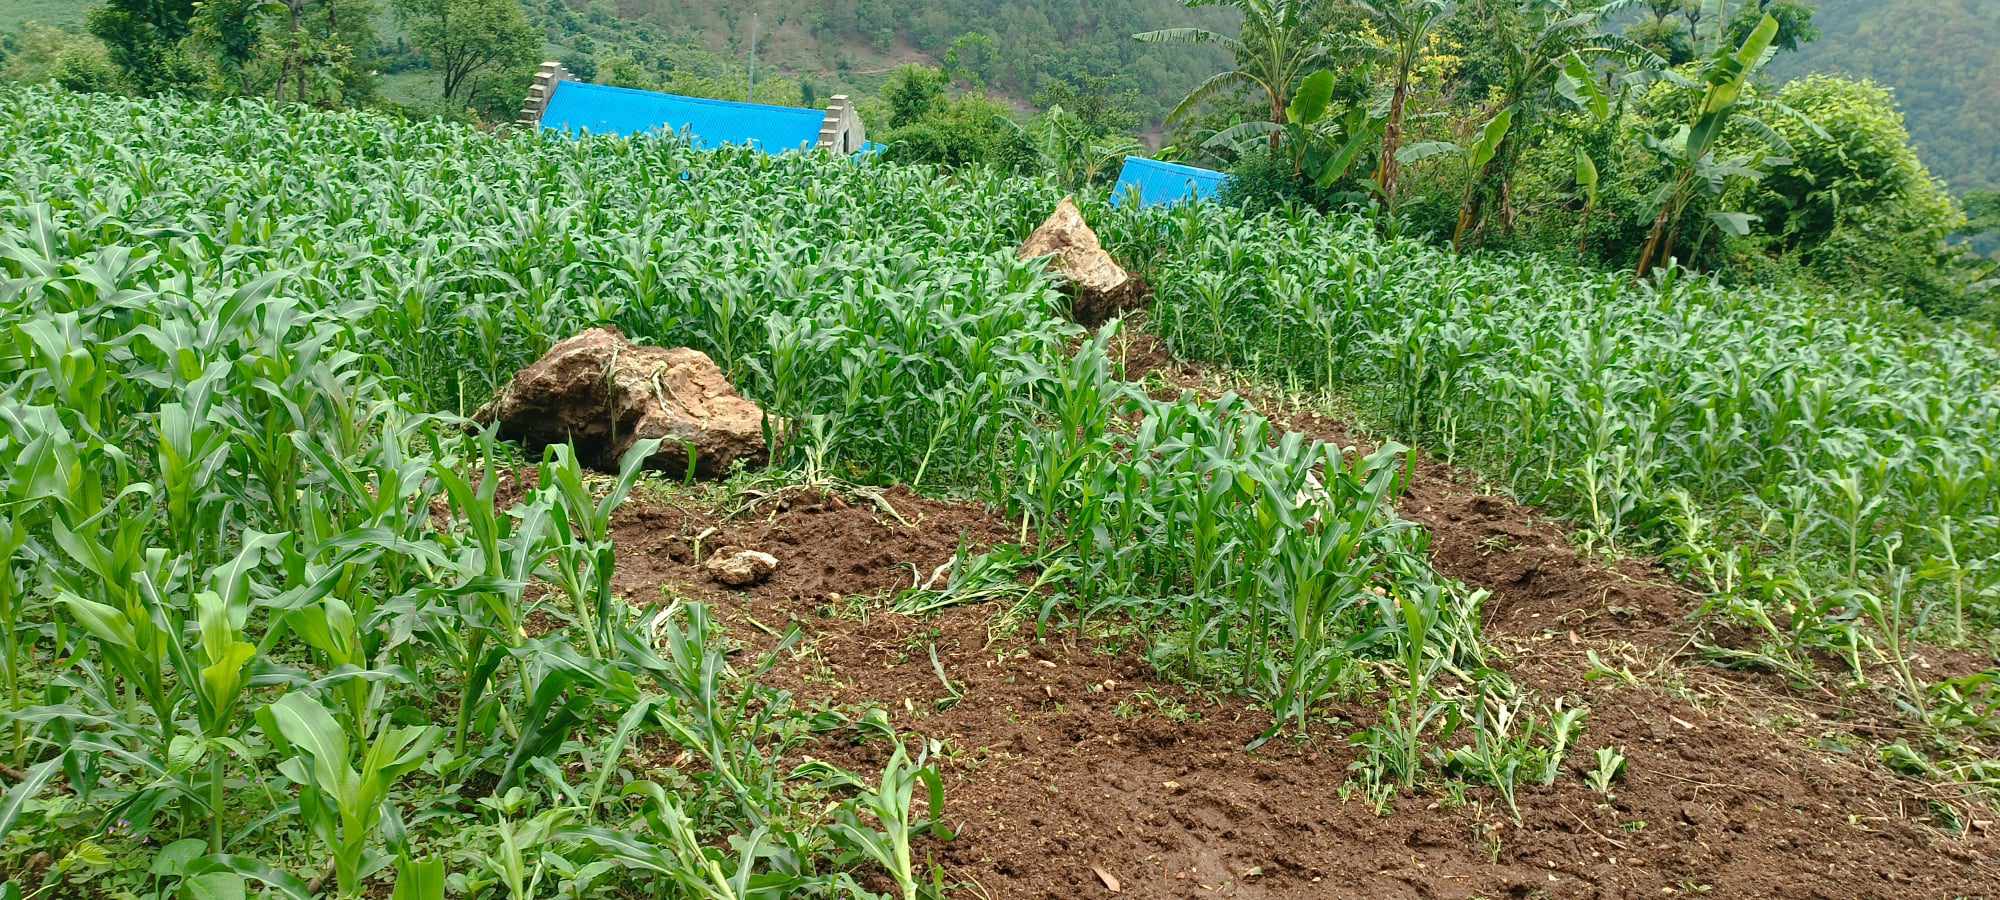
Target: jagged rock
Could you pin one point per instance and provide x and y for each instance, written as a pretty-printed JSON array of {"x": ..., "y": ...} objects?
[
  {"x": 1100, "y": 289},
  {"x": 604, "y": 393},
  {"x": 740, "y": 568}
]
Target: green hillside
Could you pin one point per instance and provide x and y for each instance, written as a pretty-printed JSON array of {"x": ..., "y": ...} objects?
[
  {"x": 1942, "y": 57},
  {"x": 1012, "y": 48},
  {"x": 15, "y": 13}
]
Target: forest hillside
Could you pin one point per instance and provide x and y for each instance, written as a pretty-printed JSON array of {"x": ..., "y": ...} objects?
[{"x": 1942, "y": 57}]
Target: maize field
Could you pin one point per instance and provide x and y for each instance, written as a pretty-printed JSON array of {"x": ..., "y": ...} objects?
[
  {"x": 1826, "y": 475},
  {"x": 277, "y": 620}
]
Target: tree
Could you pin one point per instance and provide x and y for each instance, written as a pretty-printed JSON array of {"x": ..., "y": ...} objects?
[
  {"x": 1104, "y": 105},
  {"x": 1854, "y": 203},
  {"x": 622, "y": 70},
  {"x": 229, "y": 30},
  {"x": 972, "y": 58},
  {"x": 581, "y": 61},
  {"x": 1530, "y": 42},
  {"x": 914, "y": 93},
  {"x": 1794, "y": 17},
  {"x": 465, "y": 38},
  {"x": 1281, "y": 40},
  {"x": 962, "y": 132},
  {"x": 1982, "y": 221},
  {"x": 289, "y": 50},
  {"x": 143, "y": 39},
  {"x": 1690, "y": 151},
  {"x": 40, "y": 53},
  {"x": 1406, "y": 27}
]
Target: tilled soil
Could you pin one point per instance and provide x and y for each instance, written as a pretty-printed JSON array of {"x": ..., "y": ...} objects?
[{"x": 1070, "y": 766}]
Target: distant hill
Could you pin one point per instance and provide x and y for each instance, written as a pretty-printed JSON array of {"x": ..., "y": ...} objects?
[
  {"x": 1942, "y": 57},
  {"x": 15, "y": 13},
  {"x": 1012, "y": 48}
]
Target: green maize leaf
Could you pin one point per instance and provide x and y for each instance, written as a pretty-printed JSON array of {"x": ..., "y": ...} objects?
[
  {"x": 296, "y": 721},
  {"x": 18, "y": 796},
  {"x": 103, "y": 622},
  {"x": 419, "y": 879}
]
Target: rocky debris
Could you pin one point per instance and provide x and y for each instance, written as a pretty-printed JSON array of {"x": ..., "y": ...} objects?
[
  {"x": 740, "y": 568},
  {"x": 604, "y": 394},
  {"x": 1100, "y": 289}
]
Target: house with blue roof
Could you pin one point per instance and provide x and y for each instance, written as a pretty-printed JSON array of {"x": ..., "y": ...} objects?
[
  {"x": 559, "y": 102},
  {"x": 1155, "y": 183}
]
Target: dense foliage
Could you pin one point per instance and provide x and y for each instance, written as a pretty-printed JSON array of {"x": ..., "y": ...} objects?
[{"x": 1574, "y": 127}]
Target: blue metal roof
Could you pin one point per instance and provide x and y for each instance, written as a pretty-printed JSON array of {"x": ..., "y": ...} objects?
[
  {"x": 602, "y": 109},
  {"x": 1164, "y": 183}
]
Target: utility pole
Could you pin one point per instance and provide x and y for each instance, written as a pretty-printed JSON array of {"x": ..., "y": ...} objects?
[{"x": 751, "y": 95}]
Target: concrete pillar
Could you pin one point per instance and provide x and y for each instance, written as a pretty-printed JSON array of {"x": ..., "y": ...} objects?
[
  {"x": 841, "y": 130},
  {"x": 541, "y": 91}
]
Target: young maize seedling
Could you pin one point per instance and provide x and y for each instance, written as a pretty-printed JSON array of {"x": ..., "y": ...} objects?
[{"x": 1610, "y": 767}]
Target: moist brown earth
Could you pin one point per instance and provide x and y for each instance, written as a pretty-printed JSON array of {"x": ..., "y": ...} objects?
[{"x": 1066, "y": 756}]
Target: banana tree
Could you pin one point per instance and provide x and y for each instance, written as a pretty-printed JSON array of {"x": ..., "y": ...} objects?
[
  {"x": 1478, "y": 156},
  {"x": 1279, "y": 42},
  {"x": 1075, "y": 155},
  {"x": 1321, "y": 146},
  {"x": 1534, "y": 39},
  {"x": 1406, "y": 26},
  {"x": 1602, "y": 108},
  {"x": 1691, "y": 150}
]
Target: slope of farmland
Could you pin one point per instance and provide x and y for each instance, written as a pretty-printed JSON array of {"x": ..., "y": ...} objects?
[
  {"x": 235, "y": 329},
  {"x": 1824, "y": 472},
  {"x": 275, "y": 621},
  {"x": 1069, "y": 755}
]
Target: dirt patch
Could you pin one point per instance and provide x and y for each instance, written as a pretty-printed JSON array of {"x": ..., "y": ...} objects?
[
  {"x": 1140, "y": 354},
  {"x": 1539, "y": 579},
  {"x": 1063, "y": 756},
  {"x": 828, "y": 547}
]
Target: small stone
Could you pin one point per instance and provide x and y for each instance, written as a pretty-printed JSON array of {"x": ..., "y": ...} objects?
[{"x": 741, "y": 568}]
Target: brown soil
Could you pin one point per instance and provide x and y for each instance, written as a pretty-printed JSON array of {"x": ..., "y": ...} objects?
[{"x": 1067, "y": 757}]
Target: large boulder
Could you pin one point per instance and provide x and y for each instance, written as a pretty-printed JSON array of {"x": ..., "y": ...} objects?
[
  {"x": 1100, "y": 289},
  {"x": 604, "y": 394}
]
